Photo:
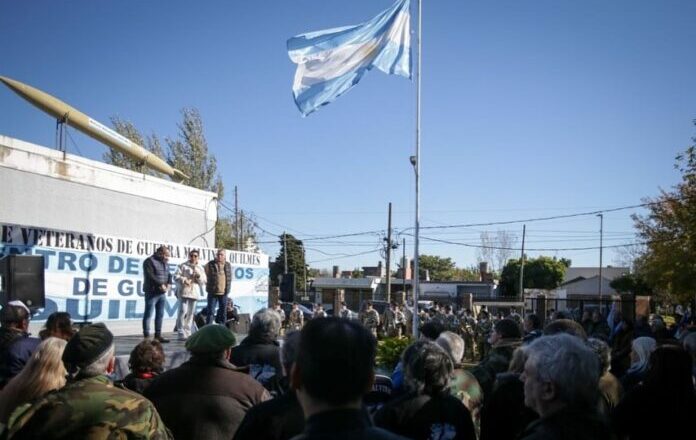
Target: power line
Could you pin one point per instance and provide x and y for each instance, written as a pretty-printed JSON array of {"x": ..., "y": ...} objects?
[
  {"x": 538, "y": 219},
  {"x": 535, "y": 249},
  {"x": 347, "y": 256}
]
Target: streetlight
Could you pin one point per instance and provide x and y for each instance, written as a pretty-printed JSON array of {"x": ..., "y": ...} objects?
[{"x": 601, "y": 236}]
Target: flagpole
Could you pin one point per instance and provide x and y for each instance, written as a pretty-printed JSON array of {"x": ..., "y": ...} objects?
[{"x": 416, "y": 275}]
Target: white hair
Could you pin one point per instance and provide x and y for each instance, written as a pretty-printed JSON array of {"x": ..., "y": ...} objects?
[
  {"x": 98, "y": 367},
  {"x": 453, "y": 345},
  {"x": 569, "y": 364},
  {"x": 266, "y": 322},
  {"x": 643, "y": 348}
]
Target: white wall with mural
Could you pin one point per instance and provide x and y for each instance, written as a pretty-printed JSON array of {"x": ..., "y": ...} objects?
[{"x": 100, "y": 278}]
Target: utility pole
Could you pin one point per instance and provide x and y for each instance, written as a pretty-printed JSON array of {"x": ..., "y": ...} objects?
[
  {"x": 524, "y": 230},
  {"x": 388, "y": 256},
  {"x": 241, "y": 230},
  {"x": 236, "y": 217},
  {"x": 285, "y": 251},
  {"x": 404, "y": 263},
  {"x": 601, "y": 237}
]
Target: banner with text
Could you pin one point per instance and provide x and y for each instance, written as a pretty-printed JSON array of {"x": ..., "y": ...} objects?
[{"x": 100, "y": 278}]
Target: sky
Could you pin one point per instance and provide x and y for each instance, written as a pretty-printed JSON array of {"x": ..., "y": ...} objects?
[{"x": 530, "y": 109}]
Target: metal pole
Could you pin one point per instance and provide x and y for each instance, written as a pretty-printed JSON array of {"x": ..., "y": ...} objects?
[
  {"x": 601, "y": 237},
  {"x": 417, "y": 165},
  {"x": 521, "y": 293},
  {"x": 388, "y": 256},
  {"x": 403, "y": 270},
  {"x": 236, "y": 217},
  {"x": 285, "y": 250},
  {"x": 241, "y": 229}
]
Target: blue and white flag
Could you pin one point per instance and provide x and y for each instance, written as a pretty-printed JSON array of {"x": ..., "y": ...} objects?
[{"x": 332, "y": 61}]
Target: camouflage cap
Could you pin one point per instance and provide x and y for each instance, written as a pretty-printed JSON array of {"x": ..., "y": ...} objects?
[
  {"x": 85, "y": 346},
  {"x": 210, "y": 339}
]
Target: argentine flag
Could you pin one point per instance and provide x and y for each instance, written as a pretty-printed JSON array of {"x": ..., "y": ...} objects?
[{"x": 332, "y": 61}]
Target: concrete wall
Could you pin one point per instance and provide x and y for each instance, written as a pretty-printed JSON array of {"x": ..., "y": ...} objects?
[{"x": 38, "y": 187}]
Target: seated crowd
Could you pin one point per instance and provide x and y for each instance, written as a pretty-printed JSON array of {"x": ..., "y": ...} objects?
[{"x": 565, "y": 380}]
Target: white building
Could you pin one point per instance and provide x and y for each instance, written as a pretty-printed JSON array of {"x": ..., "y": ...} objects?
[
  {"x": 42, "y": 187},
  {"x": 94, "y": 224}
]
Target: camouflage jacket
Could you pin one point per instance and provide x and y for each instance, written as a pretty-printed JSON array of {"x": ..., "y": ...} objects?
[
  {"x": 464, "y": 386},
  {"x": 88, "y": 409},
  {"x": 295, "y": 320},
  {"x": 370, "y": 319},
  {"x": 389, "y": 319},
  {"x": 483, "y": 329}
]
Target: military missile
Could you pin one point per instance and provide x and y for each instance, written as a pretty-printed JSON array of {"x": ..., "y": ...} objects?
[{"x": 92, "y": 128}]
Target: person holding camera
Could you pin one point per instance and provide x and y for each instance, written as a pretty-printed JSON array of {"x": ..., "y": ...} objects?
[
  {"x": 156, "y": 285},
  {"x": 190, "y": 281}
]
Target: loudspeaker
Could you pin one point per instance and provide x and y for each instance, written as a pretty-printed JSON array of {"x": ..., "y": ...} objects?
[
  {"x": 287, "y": 288},
  {"x": 23, "y": 279},
  {"x": 241, "y": 325}
]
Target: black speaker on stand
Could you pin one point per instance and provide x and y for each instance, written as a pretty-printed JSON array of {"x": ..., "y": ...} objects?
[
  {"x": 23, "y": 280},
  {"x": 287, "y": 288}
]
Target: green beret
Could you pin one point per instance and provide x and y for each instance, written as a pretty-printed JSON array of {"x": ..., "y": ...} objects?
[
  {"x": 210, "y": 339},
  {"x": 87, "y": 345}
]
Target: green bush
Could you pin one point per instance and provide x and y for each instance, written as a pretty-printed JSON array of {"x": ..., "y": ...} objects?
[{"x": 389, "y": 352}]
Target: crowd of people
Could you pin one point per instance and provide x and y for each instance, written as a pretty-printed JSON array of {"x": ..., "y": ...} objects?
[
  {"x": 562, "y": 381},
  {"x": 483, "y": 377}
]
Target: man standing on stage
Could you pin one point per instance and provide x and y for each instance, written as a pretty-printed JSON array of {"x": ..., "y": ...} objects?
[
  {"x": 190, "y": 277},
  {"x": 219, "y": 273},
  {"x": 156, "y": 285}
]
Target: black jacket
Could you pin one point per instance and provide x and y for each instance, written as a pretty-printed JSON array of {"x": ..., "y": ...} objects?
[
  {"x": 496, "y": 361},
  {"x": 211, "y": 271},
  {"x": 16, "y": 347},
  {"x": 568, "y": 424},
  {"x": 277, "y": 419},
  {"x": 156, "y": 273},
  {"x": 343, "y": 424},
  {"x": 135, "y": 382},
  {"x": 504, "y": 416},
  {"x": 262, "y": 355},
  {"x": 422, "y": 417},
  {"x": 204, "y": 399}
]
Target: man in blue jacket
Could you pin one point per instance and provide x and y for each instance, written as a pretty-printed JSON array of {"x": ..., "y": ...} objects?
[
  {"x": 156, "y": 285},
  {"x": 16, "y": 346}
]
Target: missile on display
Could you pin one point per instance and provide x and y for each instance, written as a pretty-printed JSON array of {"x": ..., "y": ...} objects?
[{"x": 95, "y": 129}]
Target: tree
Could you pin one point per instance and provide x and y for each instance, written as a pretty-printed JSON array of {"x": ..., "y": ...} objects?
[
  {"x": 357, "y": 273},
  {"x": 631, "y": 283},
  {"x": 471, "y": 273},
  {"x": 539, "y": 273},
  {"x": 504, "y": 251},
  {"x": 150, "y": 143},
  {"x": 226, "y": 232},
  {"x": 439, "y": 268},
  {"x": 296, "y": 261},
  {"x": 188, "y": 152},
  {"x": 496, "y": 251},
  {"x": 486, "y": 251},
  {"x": 669, "y": 233}
]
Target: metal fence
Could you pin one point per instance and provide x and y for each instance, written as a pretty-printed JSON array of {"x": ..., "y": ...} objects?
[{"x": 574, "y": 308}]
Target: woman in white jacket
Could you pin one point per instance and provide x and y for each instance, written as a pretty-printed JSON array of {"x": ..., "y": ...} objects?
[{"x": 190, "y": 284}]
